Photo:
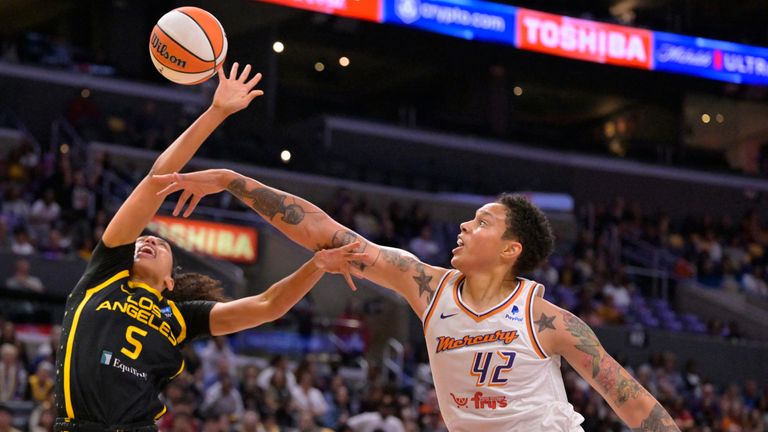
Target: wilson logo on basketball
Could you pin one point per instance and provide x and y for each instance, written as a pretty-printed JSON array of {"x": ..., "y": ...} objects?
[{"x": 162, "y": 50}]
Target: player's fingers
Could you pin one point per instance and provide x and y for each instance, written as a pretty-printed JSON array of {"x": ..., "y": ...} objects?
[
  {"x": 244, "y": 74},
  {"x": 220, "y": 72},
  {"x": 171, "y": 188},
  {"x": 195, "y": 201},
  {"x": 254, "y": 94},
  {"x": 253, "y": 81},
  {"x": 353, "y": 256},
  {"x": 349, "y": 280},
  {"x": 350, "y": 246},
  {"x": 182, "y": 200},
  {"x": 233, "y": 71}
]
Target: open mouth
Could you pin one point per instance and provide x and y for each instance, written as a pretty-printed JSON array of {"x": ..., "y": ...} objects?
[
  {"x": 459, "y": 245},
  {"x": 146, "y": 250}
]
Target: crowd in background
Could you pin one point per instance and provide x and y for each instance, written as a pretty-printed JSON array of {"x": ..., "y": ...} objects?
[
  {"x": 51, "y": 205},
  {"x": 221, "y": 391}
]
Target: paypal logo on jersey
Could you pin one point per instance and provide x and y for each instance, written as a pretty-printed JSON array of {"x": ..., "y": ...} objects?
[{"x": 511, "y": 315}]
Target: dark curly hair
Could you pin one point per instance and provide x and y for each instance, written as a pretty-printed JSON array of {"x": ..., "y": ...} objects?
[
  {"x": 527, "y": 224},
  {"x": 195, "y": 286}
]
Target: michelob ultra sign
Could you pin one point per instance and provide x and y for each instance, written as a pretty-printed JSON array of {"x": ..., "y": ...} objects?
[{"x": 230, "y": 242}]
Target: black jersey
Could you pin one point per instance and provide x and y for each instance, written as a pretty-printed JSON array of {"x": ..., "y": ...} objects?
[{"x": 120, "y": 343}]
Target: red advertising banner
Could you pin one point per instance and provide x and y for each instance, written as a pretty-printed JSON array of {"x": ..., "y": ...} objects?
[
  {"x": 225, "y": 241},
  {"x": 369, "y": 10},
  {"x": 584, "y": 40}
]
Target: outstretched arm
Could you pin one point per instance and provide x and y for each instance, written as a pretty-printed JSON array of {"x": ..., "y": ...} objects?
[
  {"x": 234, "y": 316},
  {"x": 232, "y": 95},
  {"x": 309, "y": 226},
  {"x": 563, "y": 333}
]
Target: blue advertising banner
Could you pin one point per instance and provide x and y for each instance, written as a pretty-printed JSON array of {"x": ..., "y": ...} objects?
[
  {"x": 466, "y": 19},
  {"x": 713, "y": 59}
]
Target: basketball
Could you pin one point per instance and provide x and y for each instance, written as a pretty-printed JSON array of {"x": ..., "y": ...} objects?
[{"x": 187, "y": 45}]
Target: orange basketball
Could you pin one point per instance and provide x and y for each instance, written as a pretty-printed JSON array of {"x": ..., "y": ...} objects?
[{"x": 187, "y": 45}]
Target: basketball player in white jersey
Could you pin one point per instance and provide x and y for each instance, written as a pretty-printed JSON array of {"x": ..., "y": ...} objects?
[{"x": 494, "y": 343}]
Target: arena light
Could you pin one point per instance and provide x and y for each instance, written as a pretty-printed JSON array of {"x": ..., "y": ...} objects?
[
  {"x": 518, "y": 91},
  {"x": 344, "y": 61},
  {"x": 278, "y": 47},
  {"x": 705, "y": 118},
  {"x": 285, "y": 156},
  {"x": 719, "y": 118},
  {"x": 319, "y": 66}
]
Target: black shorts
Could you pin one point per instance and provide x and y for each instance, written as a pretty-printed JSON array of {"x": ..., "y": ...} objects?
[{"x": 62, "y": 425}]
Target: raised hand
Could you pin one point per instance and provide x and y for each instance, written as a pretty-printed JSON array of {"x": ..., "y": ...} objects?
[
  {"x": 235, "y": 93},
  {"x": 338, "y": 261},
  {"x": 194, "y": 185}
]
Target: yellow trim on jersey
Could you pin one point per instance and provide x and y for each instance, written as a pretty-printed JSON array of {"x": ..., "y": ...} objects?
[
  {"x": 180, "y": 319},
  {"x": 181, "y": 369},
  {"x": 71, "y": 338},
  {"x": 136, "y": 284},
  {"x": 161, "y": 413}
]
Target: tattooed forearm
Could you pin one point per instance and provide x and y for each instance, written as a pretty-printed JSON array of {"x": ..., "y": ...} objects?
[
  {"x": 588, "y": 342},
  {"x": 345, "y": 237},
  {"x": 627, "y": 388},
  {"x": 398, "y": 259},
  {"x": 545, "y": 322},
  {"x": 657, "y": 421},
  {"x": 423, "y": 281},
  {"x": 267, "y": 202}
]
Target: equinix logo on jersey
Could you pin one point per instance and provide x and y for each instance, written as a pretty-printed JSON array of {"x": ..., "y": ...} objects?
[{"x": 108, "y": 359}]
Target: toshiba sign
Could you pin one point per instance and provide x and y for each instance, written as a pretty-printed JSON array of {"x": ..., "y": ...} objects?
[
  {"x": 225, "y": 241},
  {"x": 584, "y": 40}
]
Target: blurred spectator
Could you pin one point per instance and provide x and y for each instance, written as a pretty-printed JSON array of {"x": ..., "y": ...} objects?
[
  {"x": 382, "y": 419},
  {"x": 13, "y": 376},
  {"x": 608, "y": 313},
  {"x": 222, "y": 398},
  {"x": 278, "y": 399},
  {"x": 308, "y": 399},
  {"x": 424, "y": 246},
  {"x": 252, "y": 394},
  {"x": 366, "y": 222},
  {"x": 22, "y": 279},
  {"x": 754, "y": 281},
  {"x": 217, "y": 357},
  {"x": 6, "y": 419},
  {"x": 43, "y": 418},
  {"x": 278, "y": 363},
  {"x": 41, "y": 383},
  {"x": 45, "y": 212},
  {"x": 21, "y": 244},
  {"x": 250, "y": 423},
  {"x": 619, "y": 291}
]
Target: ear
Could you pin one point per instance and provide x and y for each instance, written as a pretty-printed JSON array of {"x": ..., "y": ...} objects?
[
  {"x": 169, "y": 283},
  {"x": 512, "y": 250}
]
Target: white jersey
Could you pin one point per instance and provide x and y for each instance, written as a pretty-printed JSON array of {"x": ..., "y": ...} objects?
[{"x": 490, "y": 371}]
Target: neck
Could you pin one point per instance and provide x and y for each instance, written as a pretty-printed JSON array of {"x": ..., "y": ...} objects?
[
  {"x": 139, "y": 279},
  {"x": 487, "y": 289}
]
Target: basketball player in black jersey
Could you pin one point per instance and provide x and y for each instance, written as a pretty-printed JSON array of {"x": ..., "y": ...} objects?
[{"x": 129, "y": 314}]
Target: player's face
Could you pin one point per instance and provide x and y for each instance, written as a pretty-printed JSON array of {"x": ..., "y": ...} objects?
[
  {"x": 480, "y": 243},
  {"x": 153, "y": 256}
]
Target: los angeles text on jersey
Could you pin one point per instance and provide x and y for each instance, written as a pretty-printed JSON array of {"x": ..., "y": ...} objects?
[
  {"x": 144, "y": 311},
  {"x": 446, "y": 343}
]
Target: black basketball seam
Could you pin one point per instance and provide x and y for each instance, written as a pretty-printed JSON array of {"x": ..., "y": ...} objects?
[
  {"x": 210, "y": 43},
  {"x": 182, "y": 46}
]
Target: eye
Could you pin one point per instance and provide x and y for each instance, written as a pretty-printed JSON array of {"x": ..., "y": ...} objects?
[{"x": 483, "y": 223}]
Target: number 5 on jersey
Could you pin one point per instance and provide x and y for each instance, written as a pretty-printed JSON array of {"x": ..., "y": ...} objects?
[
  {"x": 481, "y": 365},
  {"x": 129, "y": 337}
]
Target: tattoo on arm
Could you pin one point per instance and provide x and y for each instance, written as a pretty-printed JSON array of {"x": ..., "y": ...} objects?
[
  {"x": 397, "y": 259},
  {"x": 422, "y": 279},
  {"x": 344, "y": 237},
  {"x": 267, "y": 202},
  {"x": 606, "y": 371},
  {"x": 588, "y": 342},
  {"x": 545, "y": 322},
  {"x": 657, "y": 421}
]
